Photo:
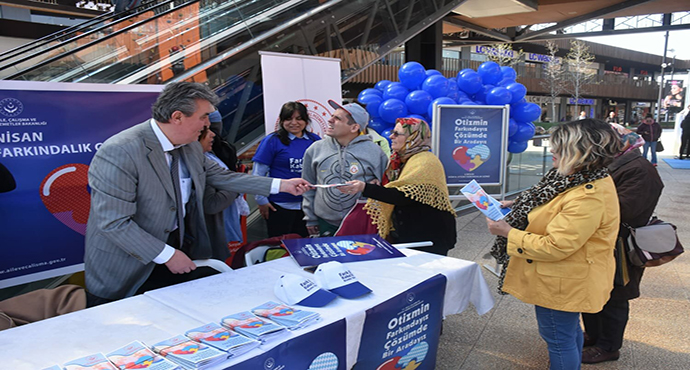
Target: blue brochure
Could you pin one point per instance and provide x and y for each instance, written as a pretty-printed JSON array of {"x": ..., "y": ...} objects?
[
  {"x": 484, "y": 202},
  {"x": 353, "y": 248}
]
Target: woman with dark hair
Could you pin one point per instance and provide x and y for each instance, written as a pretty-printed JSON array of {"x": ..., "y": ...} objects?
[
  {"x": 556, "y": 245},
  {"x": 280, "y": 156}
]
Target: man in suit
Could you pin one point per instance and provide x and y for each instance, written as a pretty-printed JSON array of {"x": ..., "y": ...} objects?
[{"x": 147, "y": 183}]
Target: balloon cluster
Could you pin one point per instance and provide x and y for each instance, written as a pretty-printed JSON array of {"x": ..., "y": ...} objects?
[{"x": 419, "y": 89}]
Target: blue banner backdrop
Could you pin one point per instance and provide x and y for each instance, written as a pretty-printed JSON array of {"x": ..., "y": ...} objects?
[
  {"x": 48, "y": 134},
  {"x": 471, "y": 144},
  {"x": 403, "y": 332},
  {"x": 320, "y": 349}
]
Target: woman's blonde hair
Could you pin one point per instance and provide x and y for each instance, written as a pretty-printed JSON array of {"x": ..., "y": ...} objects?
[{"x": 586, "y": 144}]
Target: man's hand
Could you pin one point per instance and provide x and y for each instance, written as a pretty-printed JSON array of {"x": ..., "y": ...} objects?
[
  {"x": 313, "y": 230},
  {"x": 296, "y": 186},
  {"x": 264, "y": 210},
  {"x": 179, "y": 263}
]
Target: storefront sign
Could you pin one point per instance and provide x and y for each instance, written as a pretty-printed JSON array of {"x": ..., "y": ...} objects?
[{"x": 581, "y": 101}]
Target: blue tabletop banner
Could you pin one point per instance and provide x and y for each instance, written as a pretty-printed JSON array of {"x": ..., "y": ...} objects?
[
  {"x": 310, "y": 252},
  {"x": 403, "y": 332},
  {"x": 321, "y": 349},
  {"x": 470, "y": 143},
  {"x": 49, "y": 133}
]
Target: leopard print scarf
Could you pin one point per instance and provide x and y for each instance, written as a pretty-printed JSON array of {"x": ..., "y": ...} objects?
[{"x": 550, "y": 186}]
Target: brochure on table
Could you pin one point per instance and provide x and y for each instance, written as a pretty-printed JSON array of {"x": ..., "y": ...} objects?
[{"x": 311, "y": 252}]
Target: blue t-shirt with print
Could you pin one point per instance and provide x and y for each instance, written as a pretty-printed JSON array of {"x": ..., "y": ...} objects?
[{"x": 285, "y": 161}]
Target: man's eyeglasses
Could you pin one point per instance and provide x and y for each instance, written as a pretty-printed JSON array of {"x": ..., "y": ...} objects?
[{"x": 396, "y": 133}]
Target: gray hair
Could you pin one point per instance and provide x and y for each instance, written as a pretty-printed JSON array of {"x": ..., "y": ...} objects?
[{"x": 181, "y": 96}]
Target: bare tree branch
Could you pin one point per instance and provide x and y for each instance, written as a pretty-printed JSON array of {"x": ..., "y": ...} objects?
[
  {"x": 554, "y": 79},
  {"x": 579, "y": 71}
]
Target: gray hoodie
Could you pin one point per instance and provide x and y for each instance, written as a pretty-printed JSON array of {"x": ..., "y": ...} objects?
[{"x": 326, "y": 162}]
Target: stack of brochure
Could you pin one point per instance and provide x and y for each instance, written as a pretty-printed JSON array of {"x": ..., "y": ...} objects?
[
  {"x": 188, "y": 353},
  {"x": 253, "y": 327},
  {"x": 137, "y": 355},
  {"x": 223, "y": 339},
  {"x": 289, "y": 317},
  {"x": 96, "y": 362}
]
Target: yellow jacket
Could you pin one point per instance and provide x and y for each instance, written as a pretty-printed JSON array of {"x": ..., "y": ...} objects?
[{"x": 564, "y": 259}]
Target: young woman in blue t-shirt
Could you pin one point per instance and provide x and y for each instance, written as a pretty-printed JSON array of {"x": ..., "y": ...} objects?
[{"x": 280, "y": 156}]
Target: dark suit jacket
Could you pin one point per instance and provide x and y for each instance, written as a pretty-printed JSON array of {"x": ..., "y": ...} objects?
[{"x": 133, "y": 208}]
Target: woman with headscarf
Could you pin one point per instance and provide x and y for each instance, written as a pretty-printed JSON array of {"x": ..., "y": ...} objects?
[
  {"x": 412, "y": 204},
  {"x": 556, "y": 245},
  {"x": 639, "y": 187}
]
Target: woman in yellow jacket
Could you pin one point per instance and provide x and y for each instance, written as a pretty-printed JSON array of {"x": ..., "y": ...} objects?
[{"x": 556, "y": 245}]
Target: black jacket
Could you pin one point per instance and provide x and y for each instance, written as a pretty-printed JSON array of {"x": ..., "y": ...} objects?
[
  {"x": 639, "y": 187},
  {"x": 416, "y": 222}
]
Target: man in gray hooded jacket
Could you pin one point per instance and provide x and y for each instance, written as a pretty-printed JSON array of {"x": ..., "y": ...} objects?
[{"x": 346, "y": 153}]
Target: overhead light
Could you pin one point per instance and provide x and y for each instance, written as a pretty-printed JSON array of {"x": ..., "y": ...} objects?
[{"x": 483, "y": 8}]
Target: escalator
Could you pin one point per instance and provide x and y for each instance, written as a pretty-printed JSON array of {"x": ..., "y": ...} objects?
[{"x": 217, "y": 43}]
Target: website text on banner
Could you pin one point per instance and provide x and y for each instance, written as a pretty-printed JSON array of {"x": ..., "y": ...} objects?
[{"x": 48, "y": 134}]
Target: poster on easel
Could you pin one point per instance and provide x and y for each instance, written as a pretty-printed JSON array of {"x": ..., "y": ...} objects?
[{"x": 470, "y": 141}]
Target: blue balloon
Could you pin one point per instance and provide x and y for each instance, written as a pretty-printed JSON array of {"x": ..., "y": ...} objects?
[
  {"x": 392, "y": 109},
  {"x": 463, "y": 95},
  {"x": 431, "y": 72},
  {"x": 524, "y": 132},
  {"x": 381, "y": 85},
  {"x": 417, "y": 116},
  {"x": 438, "y": 101},
  {"x": 470, "y": 82},
  {"x": 482, "y": 93},
  {"x": 387, "y": 134},
  {"x": 455, "y": 95},
  {"x": 525, "y": 112},
  {"x": 412, "y": 74},
  {"x": 395, "y": 90},
  {"x": 365, "y": 99},
  {"x": 505, "y": 82},
  {"x": 372, "y": 105},
  {"x": 369, "y": 91},
  {"x": 378, "y": 125},
  {"x": 490, "y": 73},
  {"x": 508, "y": 72},
  {"x": 418, "y": 101},
  {"x": 464, "y": 101},
  {"x": 470, "y": 102},
  {"x": 437, "y": 86},
  {"x": 512, "y": 127},
  {"x": 453, "y": 84},
  {"x": 517, "y": 146},
  {"x": 498, "y": 96},
  {"x": 462, "y": 72},
  {"x": 517, "y": 91}
]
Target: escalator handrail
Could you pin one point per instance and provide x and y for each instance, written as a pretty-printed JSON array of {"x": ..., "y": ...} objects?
[
  {"x": 87, "y": 45},
  {"x": 74, "y": 28},
  {"x": 256, "y": 40}
]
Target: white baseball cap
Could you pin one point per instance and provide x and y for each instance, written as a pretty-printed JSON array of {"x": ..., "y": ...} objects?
[
  {"x": 295, "y": 289},
  {"x": 338, "y": 279}
]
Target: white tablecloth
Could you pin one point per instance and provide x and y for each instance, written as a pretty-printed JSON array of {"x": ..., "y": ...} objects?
[{"x": 162, "y": 313}]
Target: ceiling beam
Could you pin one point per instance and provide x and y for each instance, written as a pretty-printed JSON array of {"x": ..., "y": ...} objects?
[
  {"x": 676, "y": 27},
  {"x": 582, "y": 18},
  {"x": 478, "y": 29}
]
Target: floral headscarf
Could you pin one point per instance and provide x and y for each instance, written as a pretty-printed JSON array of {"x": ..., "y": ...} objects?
[
  {"x": 417, "y": 140},
  {"x": 631, "y": 140}
]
